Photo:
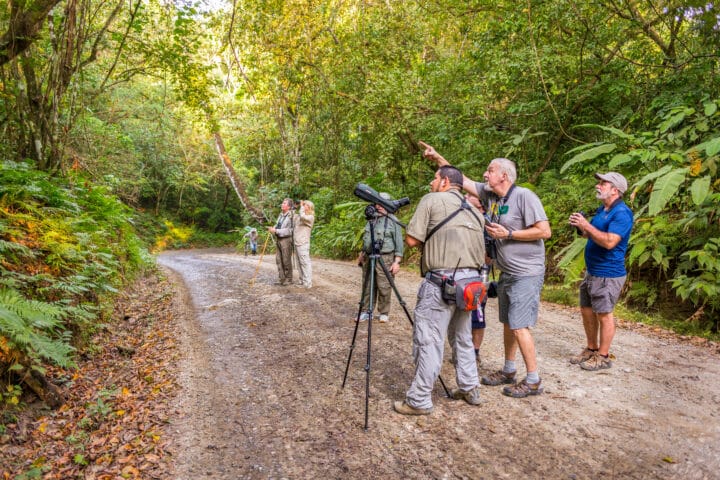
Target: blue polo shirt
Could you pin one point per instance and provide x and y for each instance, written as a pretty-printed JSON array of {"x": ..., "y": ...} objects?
[{"x": 601, "y": 262}]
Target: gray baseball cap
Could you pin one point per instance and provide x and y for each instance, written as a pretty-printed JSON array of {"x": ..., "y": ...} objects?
[{"x": 616, "y": 179}]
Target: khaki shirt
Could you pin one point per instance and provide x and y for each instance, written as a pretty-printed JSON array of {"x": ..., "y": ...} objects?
[
  {"x": 303, "y": 227},
  {"x": 460, "y": 239},
  {"x": 388, "y": 232}
]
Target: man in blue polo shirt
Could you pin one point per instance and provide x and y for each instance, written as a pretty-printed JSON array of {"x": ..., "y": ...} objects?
[{"x": 608, "y": 234}]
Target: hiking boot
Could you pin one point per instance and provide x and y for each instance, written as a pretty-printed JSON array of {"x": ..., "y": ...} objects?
[
  {"x": 586, "y": 354},
  {"x": 596, "y": 362},
  {"x": 405, "y": 409},
  {"x": 498, "y": 378},
  {"x": 523, "y": 389},
  {"x": 364, "y": 317},
  {"x": 472, "y": 397},
  {"x": 383, "y": 318}
]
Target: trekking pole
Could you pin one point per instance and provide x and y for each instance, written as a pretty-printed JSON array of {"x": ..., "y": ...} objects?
[{"x": 267, "y": 239}]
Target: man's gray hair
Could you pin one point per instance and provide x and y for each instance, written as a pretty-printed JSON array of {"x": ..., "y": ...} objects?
[{"x": 507, "y": 167}]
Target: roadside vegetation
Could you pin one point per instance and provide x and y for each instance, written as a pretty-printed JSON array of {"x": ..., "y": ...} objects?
[{"x": 110, "y": 136}]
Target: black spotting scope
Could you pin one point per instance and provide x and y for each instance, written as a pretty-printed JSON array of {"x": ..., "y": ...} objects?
[{"x": 369, "y": 195}]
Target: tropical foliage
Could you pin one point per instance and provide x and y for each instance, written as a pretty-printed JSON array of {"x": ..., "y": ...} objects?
[
  {"x": 65, "y": 248},
  {"x": 101, "y": 101}
]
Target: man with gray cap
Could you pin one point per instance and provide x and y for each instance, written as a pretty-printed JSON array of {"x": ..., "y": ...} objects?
[
  {"x": 608, "y": 233},
  {"x": 388, "y": 236}
]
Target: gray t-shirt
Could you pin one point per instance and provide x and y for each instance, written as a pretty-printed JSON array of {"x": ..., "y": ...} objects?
[
  {"x": 519, "y": 210},
  {"x": 458, "y": 243}
]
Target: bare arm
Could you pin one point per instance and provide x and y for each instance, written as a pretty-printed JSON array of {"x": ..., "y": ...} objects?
[
  {"x": 412, "y": 241},
  {"x": 537, "y": 231},
  {"x": 606, "y": 240},
  {"x": 431, "y": 154}
]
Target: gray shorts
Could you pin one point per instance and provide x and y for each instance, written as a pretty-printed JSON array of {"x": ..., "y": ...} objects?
[
  {"x": 601, "y": 293},
  {"x": 519, "y": 300}
]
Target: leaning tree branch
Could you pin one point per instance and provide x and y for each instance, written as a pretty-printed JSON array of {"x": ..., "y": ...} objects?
[{"x": 237, "y": 184}]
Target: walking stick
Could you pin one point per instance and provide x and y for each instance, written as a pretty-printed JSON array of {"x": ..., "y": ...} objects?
[{"x": 267, "y": 239}]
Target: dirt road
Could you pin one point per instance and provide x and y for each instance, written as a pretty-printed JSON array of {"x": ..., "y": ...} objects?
[{"x": 263, "y": 367}]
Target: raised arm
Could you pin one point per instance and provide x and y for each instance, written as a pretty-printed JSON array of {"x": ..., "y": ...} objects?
[{"x": 431, "y": 154}]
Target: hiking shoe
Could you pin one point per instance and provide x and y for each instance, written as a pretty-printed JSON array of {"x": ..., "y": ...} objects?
[
  {"x": 364, "y": 317},
  {"x": 586, "y": 354},
  {"x": 383, "y": 318},
  {"x": 472, "y": 397},
  {"x": 596, "y": 362},
  {"x": 523, "y": 389},
  {"x": 405, "y": 409},
  {"x": 498, "y": 378}
]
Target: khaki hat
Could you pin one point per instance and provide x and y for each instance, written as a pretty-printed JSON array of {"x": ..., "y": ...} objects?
[{"x": 616, "y": 179}]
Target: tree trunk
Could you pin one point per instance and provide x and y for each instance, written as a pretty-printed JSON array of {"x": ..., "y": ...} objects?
[{"x": 237, "y": 184}]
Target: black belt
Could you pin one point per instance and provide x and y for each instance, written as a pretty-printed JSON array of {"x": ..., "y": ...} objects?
[{"x": 435, "y": 278}]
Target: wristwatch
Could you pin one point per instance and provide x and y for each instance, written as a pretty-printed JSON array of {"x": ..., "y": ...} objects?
[{"x": 509, "y": 234}]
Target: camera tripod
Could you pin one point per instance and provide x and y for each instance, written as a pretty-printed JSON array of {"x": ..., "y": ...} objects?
[{"x": 375, "y": 258}]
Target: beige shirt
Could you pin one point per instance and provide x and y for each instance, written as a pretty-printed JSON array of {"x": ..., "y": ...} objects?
[
  {"x": 459, "y": 239},
  {"x": 303, "y": 227}
]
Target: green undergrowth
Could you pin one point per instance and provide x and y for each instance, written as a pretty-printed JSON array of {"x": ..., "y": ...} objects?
[
  {"x": 667, "y": 316},
  {"x": 66, "y": 248}
]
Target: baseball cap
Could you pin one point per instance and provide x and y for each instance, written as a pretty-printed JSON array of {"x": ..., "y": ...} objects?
[{"x": 616, "y": 179}]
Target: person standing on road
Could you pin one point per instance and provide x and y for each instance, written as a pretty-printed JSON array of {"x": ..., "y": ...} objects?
[
  {"x": 252, "y": 238},
  {"x": 283, "y": 231},
  {"x": 389, "y": 236},
  {"x": 454, "y": 249},
  {"x": 608, "y": 234},
  {"x": 519, "y": 227},
  {"x": 304, "y": 221}
]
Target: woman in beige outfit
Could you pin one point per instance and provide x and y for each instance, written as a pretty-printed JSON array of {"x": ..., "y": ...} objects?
[{"x": 304, "y": 221}]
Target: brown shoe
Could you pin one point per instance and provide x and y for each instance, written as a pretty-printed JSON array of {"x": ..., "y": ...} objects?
[
  {"x": 405, "y": 409},
  {"x": 498, "y": 378},
  {"x": 523, "y": 389},
  {"x": 596, "y": 362},
  {"x": 472, "y": 397},
  {"x": 586, "y": 354}
]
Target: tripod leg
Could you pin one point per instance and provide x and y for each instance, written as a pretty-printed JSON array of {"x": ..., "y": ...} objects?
[
  {"x": 389, "y": 276},
  {"x": 371, "y": 307},
  {"x": 357, "y": 324}
]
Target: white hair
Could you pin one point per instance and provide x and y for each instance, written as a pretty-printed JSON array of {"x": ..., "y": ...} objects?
[{"x": 507, "y": 167}]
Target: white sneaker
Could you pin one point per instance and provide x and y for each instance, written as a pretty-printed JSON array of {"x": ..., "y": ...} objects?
[
  {"x": 364, "y": 317},
  {"x": 383, "y": 318}
]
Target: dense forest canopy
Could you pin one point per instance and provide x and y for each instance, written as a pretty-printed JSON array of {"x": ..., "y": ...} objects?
[{"x": 127, "y": 100}]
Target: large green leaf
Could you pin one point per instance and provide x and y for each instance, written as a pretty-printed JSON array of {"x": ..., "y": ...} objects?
[
  {"x": 665, "y": 188},
  {"x": 589, "y": 155},
  {"x": 653, "y": 175},
  {"x": 619, "y": 159},
  {"x": 710, "y": 108},
  {"x": 615, "y": 131},
  {"x": 700, "y": 189},
  {"x": 711, "y": 147}
]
